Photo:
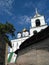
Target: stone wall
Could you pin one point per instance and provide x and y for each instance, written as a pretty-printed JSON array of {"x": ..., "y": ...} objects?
[{"x": 36, "y": 54}]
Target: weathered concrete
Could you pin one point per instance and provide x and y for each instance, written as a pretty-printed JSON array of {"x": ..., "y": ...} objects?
[
  {"x": 36, "y": 54},
  {"x": 11, "y": 64}
]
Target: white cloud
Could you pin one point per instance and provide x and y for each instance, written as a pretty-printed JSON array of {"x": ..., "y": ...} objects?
[
  {"x": 24, "y": 19},
  {"x": 8, "y": 12},
  {"x": 6, "y": 6},
  {"x": 6, "y": 3}
]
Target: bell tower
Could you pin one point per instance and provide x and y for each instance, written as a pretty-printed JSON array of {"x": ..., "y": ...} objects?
[
  {"x": 37, "y": 20},
  {"x": 37, "y": 23}
]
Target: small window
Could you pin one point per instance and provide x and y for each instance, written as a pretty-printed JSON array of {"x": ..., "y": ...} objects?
[
  {"x": 37, "y": 22},
  {"x": 35, "y": 32}
]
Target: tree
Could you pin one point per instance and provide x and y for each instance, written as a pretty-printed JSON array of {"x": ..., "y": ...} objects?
[{"x": 5, "y": 30}]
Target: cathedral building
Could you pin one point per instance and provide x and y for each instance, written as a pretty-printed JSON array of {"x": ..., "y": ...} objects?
[{"x": 37, "y": 24}]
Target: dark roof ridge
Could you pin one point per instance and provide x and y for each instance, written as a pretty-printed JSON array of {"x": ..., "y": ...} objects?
[{"x": 43, "y": 34}]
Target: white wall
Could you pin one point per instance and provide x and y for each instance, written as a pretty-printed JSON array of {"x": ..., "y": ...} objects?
[
  {"x": 38, "y": 29},
  {"x": 33, "y": 21},
  {"x": 16, "y": 43}
]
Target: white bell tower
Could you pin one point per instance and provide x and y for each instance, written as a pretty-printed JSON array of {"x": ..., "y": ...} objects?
[{"x": 37, "y": 23}]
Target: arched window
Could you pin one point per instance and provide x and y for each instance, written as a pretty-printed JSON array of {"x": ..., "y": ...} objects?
[
  {"x": 37, "y": 22},
  {"x": 35, "y": 32}
]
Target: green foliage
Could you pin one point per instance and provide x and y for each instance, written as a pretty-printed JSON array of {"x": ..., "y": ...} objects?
[{"x": 5, "y": 30}]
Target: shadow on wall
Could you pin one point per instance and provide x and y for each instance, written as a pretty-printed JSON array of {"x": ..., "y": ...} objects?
[
  {"x": 36, "y": 54},
  {"x": 35, "y": 50}
]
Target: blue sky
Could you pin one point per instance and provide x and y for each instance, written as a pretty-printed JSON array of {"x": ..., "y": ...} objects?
[{"x": 19, "y": 12}]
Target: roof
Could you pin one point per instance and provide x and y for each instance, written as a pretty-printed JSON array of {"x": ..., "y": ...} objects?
[{"x": 43, "y": 34}]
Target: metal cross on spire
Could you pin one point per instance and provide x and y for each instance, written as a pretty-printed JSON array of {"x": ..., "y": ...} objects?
[
  {"x": 37, "y": 14},
  {"x": 36, "y": 11}
]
